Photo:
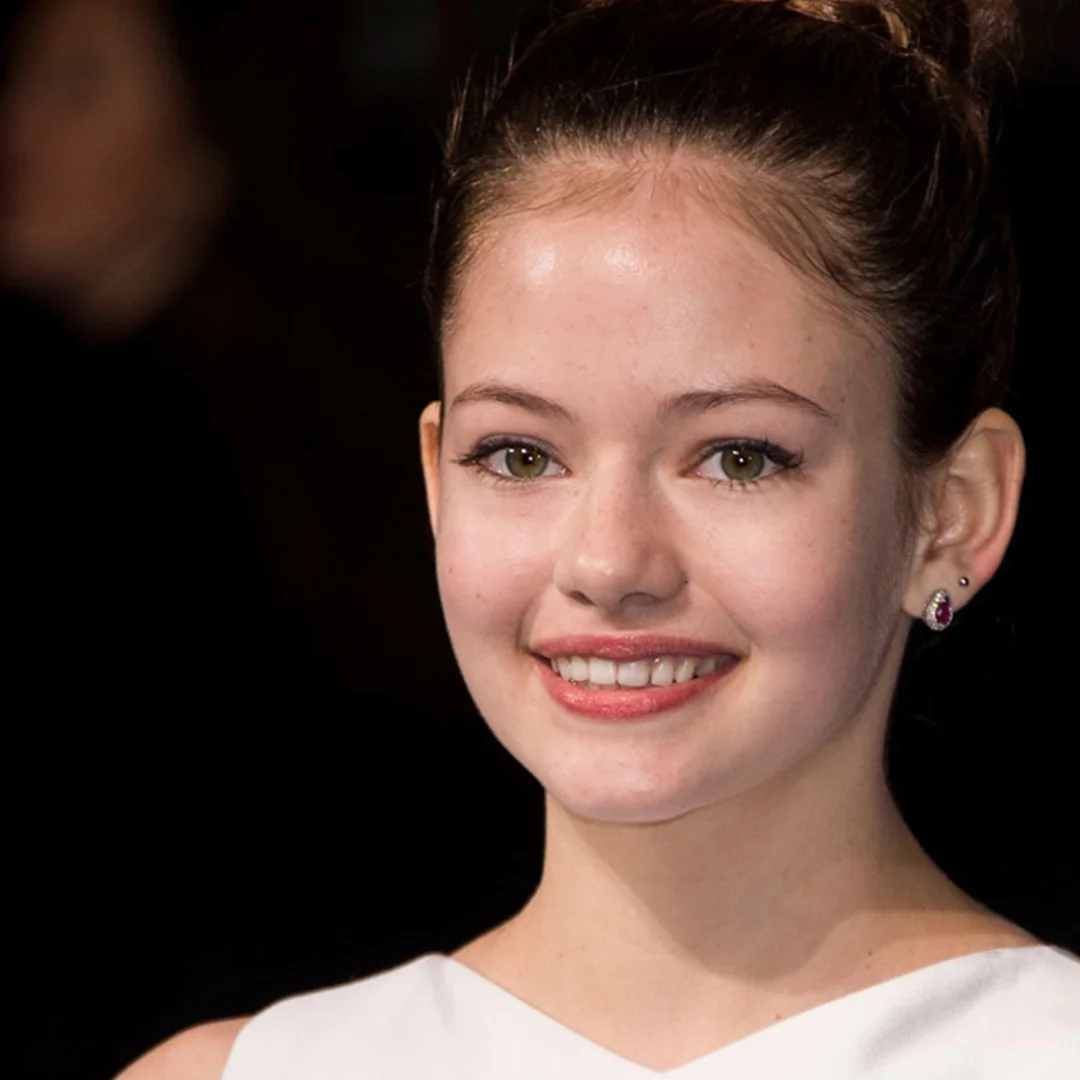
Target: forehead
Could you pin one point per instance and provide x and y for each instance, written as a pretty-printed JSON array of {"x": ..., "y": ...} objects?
[{"x": 656, "y": 283}]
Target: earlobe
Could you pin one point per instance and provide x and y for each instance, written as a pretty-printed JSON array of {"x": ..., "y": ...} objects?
[
  {"x": 430, "y": 440},
  {"x": 974, "y": 502}
]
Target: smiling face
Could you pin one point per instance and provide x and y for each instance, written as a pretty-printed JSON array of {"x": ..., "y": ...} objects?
[{"x": 664, "y": 455}]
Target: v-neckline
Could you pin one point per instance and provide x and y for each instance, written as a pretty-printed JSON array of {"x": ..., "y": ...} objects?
[{"x": 617, "y": 1067}]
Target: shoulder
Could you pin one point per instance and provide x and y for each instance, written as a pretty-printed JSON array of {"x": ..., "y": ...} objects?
[
  {"x": 403, "y": 1019},
  {"x": 1011, "y": 991},
  {"x": 999, "y": 1014},
  {"x": 199, "y": 1053},
  {"x": 1021, "y": 1015},
  {"x": 1044, "y": 990},
  {"x": 312, "y": 1032},
  {"x": 1003, "y": 1013}
]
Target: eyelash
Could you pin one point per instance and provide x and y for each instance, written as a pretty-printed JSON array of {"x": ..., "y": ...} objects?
[
  {"x": 783, "y": 460},
  {"x": 484, "y": 449}
]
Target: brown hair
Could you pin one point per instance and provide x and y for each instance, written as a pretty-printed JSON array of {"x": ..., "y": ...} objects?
[{"x": 865, "y": 126}]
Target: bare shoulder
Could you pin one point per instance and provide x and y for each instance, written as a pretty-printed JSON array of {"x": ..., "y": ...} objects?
[{"x": 199, "y": 1053}]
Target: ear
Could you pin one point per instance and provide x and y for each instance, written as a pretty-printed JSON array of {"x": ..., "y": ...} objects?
[
  {"x": 430, "y": 429},
  {"x": 969, "y": 512}
]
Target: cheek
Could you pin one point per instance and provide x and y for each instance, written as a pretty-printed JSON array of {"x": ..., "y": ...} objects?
[
  {"x": 823, "y": 579},
  {"x": 492, "y": 566}
]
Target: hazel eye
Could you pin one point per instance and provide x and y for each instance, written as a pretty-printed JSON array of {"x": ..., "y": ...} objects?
[
  {"x": 518, "y": 461},
  {"x": 506, "y": 458},
  {"x": 742, "y": 463},
  {"x": 525, "y": 462}
]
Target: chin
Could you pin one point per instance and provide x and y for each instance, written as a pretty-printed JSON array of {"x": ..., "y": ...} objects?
[
  {"x": 627, "y": 793},
  {"x": 642, "y": 785},
  {"x": 626, "y": 807}
]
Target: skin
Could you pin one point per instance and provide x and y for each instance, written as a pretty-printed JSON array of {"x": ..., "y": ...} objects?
[
  {"x": 718, "y": 867},
  {"x": 109, "y": 191}
]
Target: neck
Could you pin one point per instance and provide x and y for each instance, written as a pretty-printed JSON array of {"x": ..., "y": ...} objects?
[
  {"x": 712, "y": 925},
  {"x": 759, "y": 883}
]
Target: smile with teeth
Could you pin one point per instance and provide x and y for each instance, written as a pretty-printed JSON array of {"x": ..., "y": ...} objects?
[{"x": 596, "y": 673}]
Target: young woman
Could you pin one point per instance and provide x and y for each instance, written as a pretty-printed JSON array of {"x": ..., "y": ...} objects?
[{"x": 724, "y": 296}]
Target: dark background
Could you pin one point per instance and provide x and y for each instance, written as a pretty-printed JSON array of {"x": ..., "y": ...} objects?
[{"x": 324, "y": 802}]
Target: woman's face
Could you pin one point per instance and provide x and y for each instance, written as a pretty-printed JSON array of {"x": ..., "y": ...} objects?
[
  {"x": 96, "y": 139},
  {"x": 664, "y": 460}
]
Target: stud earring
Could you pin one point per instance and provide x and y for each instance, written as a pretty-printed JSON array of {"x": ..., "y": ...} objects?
[
  {"x": 938, "y": 612},
  {"x": 965, "y": 582}
]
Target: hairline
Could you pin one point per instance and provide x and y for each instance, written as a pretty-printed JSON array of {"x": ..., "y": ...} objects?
[
  {"x": 584, "y": 176},
  {"x": 588, "y": 175}
]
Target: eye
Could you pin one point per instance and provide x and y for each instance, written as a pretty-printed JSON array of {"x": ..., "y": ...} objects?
[
  {"x": 513, "y": 460},
  {"x": 521, "y": 462},
  {"x": 744, "y": 462}
]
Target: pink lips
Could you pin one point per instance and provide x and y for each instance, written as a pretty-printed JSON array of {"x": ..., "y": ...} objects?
[{"x": 619, "y": 703}]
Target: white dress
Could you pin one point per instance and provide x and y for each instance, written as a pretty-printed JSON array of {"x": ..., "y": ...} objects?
[{"x": 1003, "y": 1014}]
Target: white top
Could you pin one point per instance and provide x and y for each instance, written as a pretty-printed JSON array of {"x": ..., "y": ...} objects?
[{"x": 1003, "y": 1014}]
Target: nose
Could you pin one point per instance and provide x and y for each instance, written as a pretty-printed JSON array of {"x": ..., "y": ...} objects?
[{"x": 620, "y": 552}]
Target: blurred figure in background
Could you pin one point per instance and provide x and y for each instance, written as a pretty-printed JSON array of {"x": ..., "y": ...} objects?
[
  {"x": 217, "y": 365},
  {"x": 212, "y": 372},
  {"x": 112, "y": 193}
]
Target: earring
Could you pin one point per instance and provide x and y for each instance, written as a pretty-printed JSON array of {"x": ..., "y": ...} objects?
[
  {"x": 965, "y": 582},
  {"x": 938, "y": 612}
]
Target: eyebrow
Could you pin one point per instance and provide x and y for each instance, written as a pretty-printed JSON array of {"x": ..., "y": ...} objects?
[
  {"x": 512, "y": 395},
  {"x": 679, "y": 407},
  {"x": 683, "y": 406}
]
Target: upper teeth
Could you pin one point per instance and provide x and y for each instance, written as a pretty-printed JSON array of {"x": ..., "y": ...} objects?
[{"x": 661, "y": 671}]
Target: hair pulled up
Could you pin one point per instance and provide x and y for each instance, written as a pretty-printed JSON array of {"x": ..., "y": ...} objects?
[{"x": 858, "y": 134}]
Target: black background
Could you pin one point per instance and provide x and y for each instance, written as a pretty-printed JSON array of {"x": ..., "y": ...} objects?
[{"x": 179, "y": 854}]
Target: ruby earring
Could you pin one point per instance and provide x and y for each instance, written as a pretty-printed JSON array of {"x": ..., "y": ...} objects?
[{"x": 938, "y": 612}]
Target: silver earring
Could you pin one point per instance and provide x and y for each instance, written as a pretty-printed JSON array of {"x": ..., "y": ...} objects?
[
  {"x": 938, "y": 612},
  {"x": 965, "y": 582}
]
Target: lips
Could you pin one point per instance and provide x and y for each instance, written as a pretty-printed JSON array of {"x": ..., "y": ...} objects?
[
  {"x": 627, "y": 646},
  {"x": 629, "y": 676}
]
